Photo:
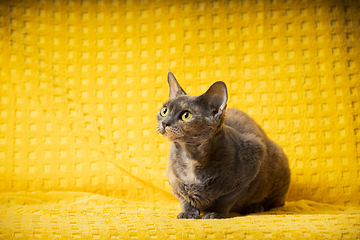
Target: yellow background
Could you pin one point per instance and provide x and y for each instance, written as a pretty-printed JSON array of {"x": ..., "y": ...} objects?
[{"x": 81, "y": 83}]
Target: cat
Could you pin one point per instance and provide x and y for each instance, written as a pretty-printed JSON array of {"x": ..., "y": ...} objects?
[{"x": 217, "y": 164}]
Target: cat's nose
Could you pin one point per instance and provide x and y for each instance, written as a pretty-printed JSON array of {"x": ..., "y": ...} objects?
[{"x": 165, "y": 124}]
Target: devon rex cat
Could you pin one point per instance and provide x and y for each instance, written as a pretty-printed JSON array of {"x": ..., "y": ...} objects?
[{"x": 217, "y": 164}]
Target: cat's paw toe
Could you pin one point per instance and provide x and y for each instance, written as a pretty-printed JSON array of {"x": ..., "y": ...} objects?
[
  {"x": 188, "y": 215},
  {"x": 213, "y": 215}
]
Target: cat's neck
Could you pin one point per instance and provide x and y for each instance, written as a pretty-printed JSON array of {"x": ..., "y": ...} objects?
[{"x": 199, "y": 152}]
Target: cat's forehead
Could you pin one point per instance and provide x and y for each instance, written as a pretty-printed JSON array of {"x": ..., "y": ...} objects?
[{"x": 182, "y": 102}]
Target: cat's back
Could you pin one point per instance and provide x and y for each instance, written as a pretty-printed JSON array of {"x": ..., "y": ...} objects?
[{"x": 242, "y": 122}]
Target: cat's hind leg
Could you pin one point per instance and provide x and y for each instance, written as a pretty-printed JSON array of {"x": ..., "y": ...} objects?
[
  {"x": 276, "y": 201},
  {"x": 277, "y": 198}
]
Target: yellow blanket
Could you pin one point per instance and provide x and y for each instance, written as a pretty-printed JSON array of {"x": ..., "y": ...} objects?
[{"x": 81, "y": 83}]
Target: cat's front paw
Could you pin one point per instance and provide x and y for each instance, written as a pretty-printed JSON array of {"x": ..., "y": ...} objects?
[
  {"x": 213, "y": 215},
  {"x": 188, "y": 215}
]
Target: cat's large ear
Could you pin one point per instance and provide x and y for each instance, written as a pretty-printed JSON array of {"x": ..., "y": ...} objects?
[
  {"x": 174, "y": 88},
  {"x": 216, "y": 98}
]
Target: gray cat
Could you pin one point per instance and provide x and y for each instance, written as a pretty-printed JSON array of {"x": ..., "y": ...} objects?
[{"x": 217, "y": 164}]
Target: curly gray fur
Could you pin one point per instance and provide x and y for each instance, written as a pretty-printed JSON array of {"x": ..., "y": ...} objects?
[{"x": 217, "y": 164}]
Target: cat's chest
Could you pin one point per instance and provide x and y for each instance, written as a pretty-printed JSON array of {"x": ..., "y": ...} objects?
[
  {"x": 193, "y": 177},
  {"x": 190, "y": 175},
  {"x": 187, "y": 176},
  {"x": 194, "y": 186}
]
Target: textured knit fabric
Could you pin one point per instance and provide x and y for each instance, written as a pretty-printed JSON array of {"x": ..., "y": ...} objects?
[{"x": 81, "y": 83}]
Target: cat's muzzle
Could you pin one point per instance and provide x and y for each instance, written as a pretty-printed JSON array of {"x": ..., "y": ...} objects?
[{"x": 160, "y": 130}]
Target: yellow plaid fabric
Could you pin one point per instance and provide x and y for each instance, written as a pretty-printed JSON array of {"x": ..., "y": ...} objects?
[{"x": 81, "y": 83}]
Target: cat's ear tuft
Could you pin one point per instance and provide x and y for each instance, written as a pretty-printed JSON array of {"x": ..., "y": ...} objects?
[
  {"x": 216, "y": 97},
  {"x": 174, "y": 88}
]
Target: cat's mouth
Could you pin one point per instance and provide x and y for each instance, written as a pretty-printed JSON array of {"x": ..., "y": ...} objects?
[{"x": 172, "y": 134}]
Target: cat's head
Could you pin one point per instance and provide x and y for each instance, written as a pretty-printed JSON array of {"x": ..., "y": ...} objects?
[{"x": 192, "y": 119}]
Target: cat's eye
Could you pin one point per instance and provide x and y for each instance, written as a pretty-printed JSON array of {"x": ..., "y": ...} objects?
[
  {"x": 164, "y": 111},
  {"x": 186, "y": 116}
]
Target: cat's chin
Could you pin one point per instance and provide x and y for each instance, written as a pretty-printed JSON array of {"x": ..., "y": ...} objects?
[
  {"x": 169, "y": 137},
  {"x": 172, "y": 138}
]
